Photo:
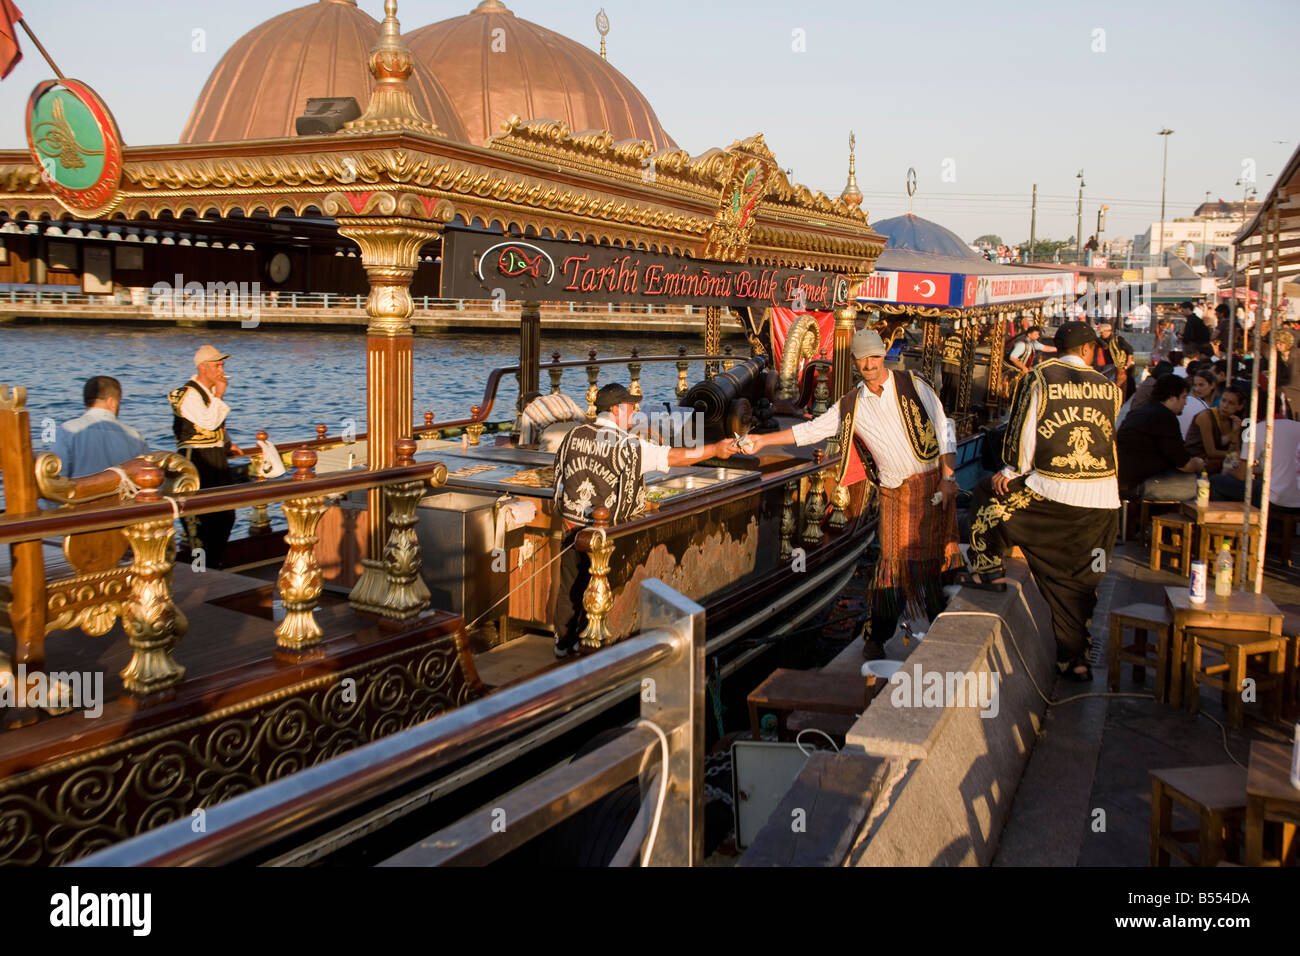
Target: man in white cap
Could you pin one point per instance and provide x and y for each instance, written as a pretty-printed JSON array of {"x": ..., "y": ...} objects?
[
  {"x": 894, "y": 423},
  {"x": 199, "y": 423}
]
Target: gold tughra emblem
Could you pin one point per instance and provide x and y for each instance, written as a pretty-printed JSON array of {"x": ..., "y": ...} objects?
[
  {"x": 55, "y": 137},
  {"x": 1079, "y": 458}
]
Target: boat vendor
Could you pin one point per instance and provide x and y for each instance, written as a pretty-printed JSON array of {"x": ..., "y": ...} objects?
[
  {"x": 1114, "y": 355},
  {"x": 1057, "y": 498},
  {"x": 899, "y": 428},
  {"x": 601, "y": 463},
  {"x": 199, "y": 423}
]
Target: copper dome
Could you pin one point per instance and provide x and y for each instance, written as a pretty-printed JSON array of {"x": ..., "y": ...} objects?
[
  {"x": 263, "y": 82},
  {"x": 539, "y": 74}
]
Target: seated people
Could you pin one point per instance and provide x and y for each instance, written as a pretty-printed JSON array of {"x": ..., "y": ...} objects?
[
  {"x": 1215, "y": 434},
  {"x": 1284, "y": 481},
  {"x": 1154, "y": 463},
  {"x": 97, "y": 440},
  {"x": 1201, "y": 385}
]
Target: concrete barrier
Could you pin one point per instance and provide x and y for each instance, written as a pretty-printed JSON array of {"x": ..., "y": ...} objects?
[{"x": 956, "y": 762}]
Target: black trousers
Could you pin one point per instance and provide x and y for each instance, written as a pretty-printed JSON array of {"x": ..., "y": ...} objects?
[
  {"x": 1068, "y": 550},
  {"x": 575, "y": 572},
  {"x": 213, "y": 466}
]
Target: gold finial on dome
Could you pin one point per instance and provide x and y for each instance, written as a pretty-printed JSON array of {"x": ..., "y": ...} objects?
[
  {"x": 852, "y": 194},
  {"x": 493, "y": 6},
  {"x": 391, "y": 106},
  {"x": 602, "y": 27}
]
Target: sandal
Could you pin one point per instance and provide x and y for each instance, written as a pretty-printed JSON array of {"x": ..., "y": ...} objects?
[
  {"x": 967, "y": 579},
  {"x": 1072, "y": 673}
]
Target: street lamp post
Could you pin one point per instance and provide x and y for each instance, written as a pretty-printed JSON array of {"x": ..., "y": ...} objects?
[
  {"x": 1078, "y": 227},
  {"x": 1164, "y": 169}
]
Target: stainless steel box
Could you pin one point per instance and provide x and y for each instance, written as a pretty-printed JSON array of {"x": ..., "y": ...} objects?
[{"x": 456, "y": 531}]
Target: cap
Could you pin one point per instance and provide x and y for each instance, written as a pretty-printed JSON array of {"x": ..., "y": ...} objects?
[
  {"x": 867, "y": 342},
  {"x": 1073, "y": 334},
  {"x": 209, "y": 354},
  {"x": 613, "y": 395}
]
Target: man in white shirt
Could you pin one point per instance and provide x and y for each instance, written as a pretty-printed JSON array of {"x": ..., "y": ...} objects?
[
  {"x": 894, "y": 420},
  {"x": 1057, "y": 497},
  {"x": 199, "y": 424},
  {"x": 602, "y": 465},
  {"x": 97, "y": 440}
]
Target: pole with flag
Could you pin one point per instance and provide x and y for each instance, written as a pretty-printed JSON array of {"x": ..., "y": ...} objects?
[{"x": 10, "y": 52}]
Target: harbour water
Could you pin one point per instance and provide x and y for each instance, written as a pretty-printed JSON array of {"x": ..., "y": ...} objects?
[{"x": 287, "y": 382}]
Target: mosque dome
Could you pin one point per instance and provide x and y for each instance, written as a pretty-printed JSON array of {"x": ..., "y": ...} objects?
[
  {"x": 263, "y": 82},
  {"x": 495, "y": 65},
  {"x": 922, "y": 235}
]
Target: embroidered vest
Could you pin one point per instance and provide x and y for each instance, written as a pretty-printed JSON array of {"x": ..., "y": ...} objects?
[
  {"x": 1077, "y": 408},
  {"x": 1030, "y": 356},
  {"x": 916, "y": 425},
  {"x": 599, "y": 465},
  {"x": 187, "y": 433}
]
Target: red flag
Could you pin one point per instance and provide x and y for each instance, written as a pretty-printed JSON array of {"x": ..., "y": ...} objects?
[{"x": 10, "y": 53}]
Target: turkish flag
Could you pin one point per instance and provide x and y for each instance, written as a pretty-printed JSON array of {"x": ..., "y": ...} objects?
[
  {"x": 927, "y": 287},
  {"x": 10, "y": 53}
]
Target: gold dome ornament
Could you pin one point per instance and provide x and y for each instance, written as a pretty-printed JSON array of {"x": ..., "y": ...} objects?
[
  {"x": 391, "y": 64},
  {"x": 602, "y": 27},
  {"x": 852, "y": 194}
]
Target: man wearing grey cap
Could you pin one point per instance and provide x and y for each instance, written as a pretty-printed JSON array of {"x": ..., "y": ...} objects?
[
  {"x": 199, "y": 423},
  {"x": 1057, "y": 498},
  {"x": 895, "y": 422}
]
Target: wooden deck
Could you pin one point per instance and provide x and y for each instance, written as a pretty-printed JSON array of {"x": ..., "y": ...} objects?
[{"x": 229, "y": 654}]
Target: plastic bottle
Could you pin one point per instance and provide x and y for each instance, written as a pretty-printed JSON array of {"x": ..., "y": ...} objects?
[
  {"x": 1295, "y": 758},
  {"x": 1223, "y": 572},
  {"x": 1203, "y": 491}
]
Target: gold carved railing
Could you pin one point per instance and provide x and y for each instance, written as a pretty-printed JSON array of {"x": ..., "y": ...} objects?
[
  {"x": 807, "y": 522},
  {"x": 153, "y": 623}
]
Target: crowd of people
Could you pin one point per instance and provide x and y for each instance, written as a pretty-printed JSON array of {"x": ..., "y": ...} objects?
[{"x": 1189, "y": 414}]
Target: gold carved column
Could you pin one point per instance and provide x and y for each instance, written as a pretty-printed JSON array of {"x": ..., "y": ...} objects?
[
  {"x": 997, "y": 345},
  {"x": 390, "y": 252},
  {"x": 842, "y": 358},
  {"x": 931, "y": 345},
  {"x": 712, "y": 338},
  {"x": 152, "y": 621}
]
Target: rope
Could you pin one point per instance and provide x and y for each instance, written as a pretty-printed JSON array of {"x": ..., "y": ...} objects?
[
  {"x": 506, "y": 596},
  {"x": 126, "y": 488},
  {"x": 663, "y": 788}
]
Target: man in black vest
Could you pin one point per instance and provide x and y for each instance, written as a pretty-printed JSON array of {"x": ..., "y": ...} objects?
[
  {"x": 599, "y": 464},
  {"x": 894, "y": 422},
  {"x": 199, "y": 424},
  {"x": 1057, "y": 498}
]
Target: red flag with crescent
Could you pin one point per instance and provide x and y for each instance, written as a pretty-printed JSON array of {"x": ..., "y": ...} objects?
[{"x": 10, "y": 53}]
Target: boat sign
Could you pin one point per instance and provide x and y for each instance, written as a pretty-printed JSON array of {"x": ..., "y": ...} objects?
[{"x": 479, "y": 265}]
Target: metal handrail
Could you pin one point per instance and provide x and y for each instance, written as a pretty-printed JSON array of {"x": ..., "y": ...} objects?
[{"x": 254, "y": 820}]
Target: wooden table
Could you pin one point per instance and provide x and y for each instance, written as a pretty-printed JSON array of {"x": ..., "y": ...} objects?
[
  {"x": 1240, "y": 611},
  {"x": 787, "y": 690},
  {"x": 1270, "y": 797},
  {"x": 1223, "y": 518}
]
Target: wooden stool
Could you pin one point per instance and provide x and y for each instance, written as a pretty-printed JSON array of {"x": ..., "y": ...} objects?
[
  {"x": 1211, "y": 539},
  {"x": 1179, "y": 545},
  {"x": 1145, "y": 513},
  {"x": 1141, "y": 654},
  {"x": 1216, "y": 795},
  {"x": 1235, "y": 647}
]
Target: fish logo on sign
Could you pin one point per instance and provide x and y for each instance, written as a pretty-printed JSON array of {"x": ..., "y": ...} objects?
[{"x": 517, "y": 259}]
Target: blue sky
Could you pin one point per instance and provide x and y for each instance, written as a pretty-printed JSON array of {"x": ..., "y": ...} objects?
[{"x": 983, "y": 99}]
